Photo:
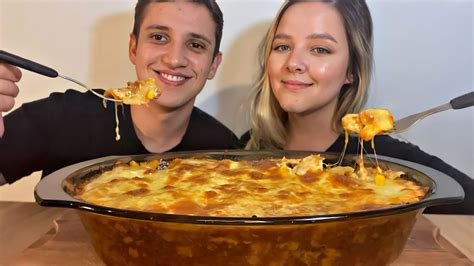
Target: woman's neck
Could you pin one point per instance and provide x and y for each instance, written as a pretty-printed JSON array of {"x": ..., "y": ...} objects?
[
  {"x": 313, "y": 131},
  {"x": 159, "y": 129}
]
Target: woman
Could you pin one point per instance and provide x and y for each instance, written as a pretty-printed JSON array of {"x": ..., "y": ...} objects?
[{"x": 316, "y": 67}]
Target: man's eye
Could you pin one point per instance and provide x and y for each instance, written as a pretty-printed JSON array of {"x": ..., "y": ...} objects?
[
  {"x": 195, "y": 45},
  {"x": 281, "y": 48},
  {"x": 321, "y": 50},
  {"x": 158, "y": 37}
]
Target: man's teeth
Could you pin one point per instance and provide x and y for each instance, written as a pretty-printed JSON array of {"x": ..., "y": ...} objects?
[{"x": 171, "y": 77}]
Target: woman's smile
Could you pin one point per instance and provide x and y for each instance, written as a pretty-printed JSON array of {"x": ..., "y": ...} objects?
[{"x": 295, "y": 84}]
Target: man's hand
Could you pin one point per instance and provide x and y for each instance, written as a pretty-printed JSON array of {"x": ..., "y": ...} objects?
[{"x": 9, "y": 75}]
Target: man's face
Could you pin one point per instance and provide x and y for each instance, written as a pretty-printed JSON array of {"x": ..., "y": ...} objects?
[{"x": 175, "y": 47}]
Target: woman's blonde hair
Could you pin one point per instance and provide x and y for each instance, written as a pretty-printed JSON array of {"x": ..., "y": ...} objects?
[{"x": 268, "y": 119}]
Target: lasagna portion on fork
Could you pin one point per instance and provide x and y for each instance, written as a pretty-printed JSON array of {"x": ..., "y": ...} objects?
[
  {"x": 368, "y": 123},
  {"x": 138, "y": 92}
]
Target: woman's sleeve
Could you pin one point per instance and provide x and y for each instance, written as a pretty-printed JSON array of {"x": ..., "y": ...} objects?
[{"x": 407, "y": 151}]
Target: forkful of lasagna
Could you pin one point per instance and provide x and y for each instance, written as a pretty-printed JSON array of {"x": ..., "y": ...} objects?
[{"x": 138, "y": 92}]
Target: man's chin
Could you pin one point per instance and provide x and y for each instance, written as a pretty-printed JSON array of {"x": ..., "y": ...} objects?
[{"x": 175, "y": 105}]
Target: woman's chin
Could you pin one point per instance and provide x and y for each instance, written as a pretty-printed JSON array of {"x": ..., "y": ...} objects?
[{"x": 292, "y": 108}]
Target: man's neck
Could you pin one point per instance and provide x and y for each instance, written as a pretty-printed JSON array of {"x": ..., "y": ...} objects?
[{"x": 160, "y": 129}]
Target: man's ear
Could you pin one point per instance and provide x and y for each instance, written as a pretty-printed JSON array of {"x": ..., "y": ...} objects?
[
  {"x": 132, "y": 48},
  {"x": 215, "y": 65}
]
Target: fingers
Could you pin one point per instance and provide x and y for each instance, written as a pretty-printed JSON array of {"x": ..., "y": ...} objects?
[
  {"x": 9, "y": 72},
  {"x": 6, "y": 103},
  {"x": 8, "y": 89},
  {"x": 8, "y": 92}
]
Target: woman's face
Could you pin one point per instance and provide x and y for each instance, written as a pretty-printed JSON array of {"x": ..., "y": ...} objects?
[{"x": 309, "y": 58}]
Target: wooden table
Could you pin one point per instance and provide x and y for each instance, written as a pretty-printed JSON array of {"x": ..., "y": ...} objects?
[{"x": 29, "y": 235}]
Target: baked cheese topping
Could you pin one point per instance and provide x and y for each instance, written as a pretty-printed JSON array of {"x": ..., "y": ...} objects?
[
  {"x": 263, "y": 188},
  {"x": 368, "y": 123},
  {"x": 138, "y": 92}
]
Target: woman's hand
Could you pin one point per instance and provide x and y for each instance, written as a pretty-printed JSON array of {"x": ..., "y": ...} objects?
[{"x": 9, "y": 75}]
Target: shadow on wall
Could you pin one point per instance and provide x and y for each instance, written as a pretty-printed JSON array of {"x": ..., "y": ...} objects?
[
  {"x": 110, "y": 65},
  {"x": 235, "y": 77}
]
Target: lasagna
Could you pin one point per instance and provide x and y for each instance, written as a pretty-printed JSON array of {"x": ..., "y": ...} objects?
[
  {"x": 368, "y": 123},
  {"x": 260, "y": 188},
  {"x": 138, "y": 92}
]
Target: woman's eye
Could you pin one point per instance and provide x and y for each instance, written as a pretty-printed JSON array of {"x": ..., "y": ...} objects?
[
  {"x": 281, "y": 48},
  {"x": 320, "y": 50}
]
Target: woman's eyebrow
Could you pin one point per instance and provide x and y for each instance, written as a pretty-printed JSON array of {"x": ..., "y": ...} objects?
[
  {"x": 322, "y": 36},
  {"x": 312, "y": 36},
  {"x": 281, "y": 36}
]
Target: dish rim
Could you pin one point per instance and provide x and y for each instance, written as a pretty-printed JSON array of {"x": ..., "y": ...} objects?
[{"x": 50, "y": 191}]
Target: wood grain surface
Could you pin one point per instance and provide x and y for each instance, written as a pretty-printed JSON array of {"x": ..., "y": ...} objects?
[{"x": 67, "y": 243}]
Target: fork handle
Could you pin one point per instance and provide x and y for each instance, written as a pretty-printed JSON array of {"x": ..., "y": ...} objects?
[
  {"x": 27, "y": 64},
  {"x": 463, "y": 101}
]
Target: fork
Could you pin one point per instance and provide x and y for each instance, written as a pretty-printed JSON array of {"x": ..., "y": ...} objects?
[
  {"x": 460, "y": 102},
  {"x": 45, "y": 71}
]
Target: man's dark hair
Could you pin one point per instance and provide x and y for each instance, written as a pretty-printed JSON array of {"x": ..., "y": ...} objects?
[{"x": 211, "y": 5}]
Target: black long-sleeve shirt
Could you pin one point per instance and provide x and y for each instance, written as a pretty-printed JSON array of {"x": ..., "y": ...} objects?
[
  {"x": 388, "y": 146},
  {"x": 72, "y": 127}
]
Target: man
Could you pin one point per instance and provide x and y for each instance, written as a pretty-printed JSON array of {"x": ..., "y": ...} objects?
[{"x": 177, "y": 44}]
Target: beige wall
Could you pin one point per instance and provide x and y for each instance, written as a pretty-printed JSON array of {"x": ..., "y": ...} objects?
[
  {"x": 423, "y": 53},
  {"x": 88, "y": 40}
]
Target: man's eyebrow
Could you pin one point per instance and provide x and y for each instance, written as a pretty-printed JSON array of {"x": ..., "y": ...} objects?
[
  {"x": 312, "y": 36},
  {"x": 157, "y": 27},
  {"x": 201, "y": 37},
  {"x": 192, "y": 34}
]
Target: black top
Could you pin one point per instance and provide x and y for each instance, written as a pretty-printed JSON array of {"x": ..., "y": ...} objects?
[
  {"x": 388, "y": 146},
  {"x": 72, "y": 127}
]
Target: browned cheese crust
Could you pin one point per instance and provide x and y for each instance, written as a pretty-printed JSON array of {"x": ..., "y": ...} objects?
[{"x": 265, "y": 188}]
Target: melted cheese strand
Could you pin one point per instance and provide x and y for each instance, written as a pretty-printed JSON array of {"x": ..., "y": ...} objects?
[
  {"x": 343, "y": 153},
  {"x": 117, "y": 133}
]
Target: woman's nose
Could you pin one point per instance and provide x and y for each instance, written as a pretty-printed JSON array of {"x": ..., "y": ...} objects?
[
  {"x": 296, "y": 63},
  {"x": 175, "y": 56}
]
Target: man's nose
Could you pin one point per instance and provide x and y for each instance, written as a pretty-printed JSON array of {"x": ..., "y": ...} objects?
[
  {"x": 296, "y": 62},
  {"x": 175, "y": 56}
]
